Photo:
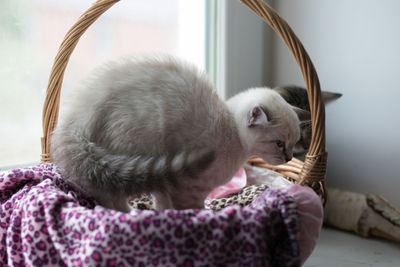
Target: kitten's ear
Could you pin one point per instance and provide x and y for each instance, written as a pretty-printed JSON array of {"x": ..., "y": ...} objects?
[
  {"x": 303, "y": 115},
  {"x": 257, "y": 116},
  {"x": 329, "y": 97}
]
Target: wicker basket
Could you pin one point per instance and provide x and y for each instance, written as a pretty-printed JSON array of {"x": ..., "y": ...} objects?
[{"x": 310, "y": 173}]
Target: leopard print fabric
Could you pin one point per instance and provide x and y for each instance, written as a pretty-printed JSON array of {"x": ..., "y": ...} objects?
[
  {"x": 145, "y": 202},
  {"x": 243, "y": 198}
]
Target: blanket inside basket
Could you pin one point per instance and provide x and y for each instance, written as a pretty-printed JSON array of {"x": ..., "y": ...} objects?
[{"x": 46, "y": 221}]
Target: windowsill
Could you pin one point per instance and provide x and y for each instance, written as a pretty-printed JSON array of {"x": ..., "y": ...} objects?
[{"x": 338, "y": 248}]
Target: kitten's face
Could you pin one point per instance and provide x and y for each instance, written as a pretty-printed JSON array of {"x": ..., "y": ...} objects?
[
  {"x": 269, "y": 127},
  {"x": 274, "y": 140},
  {"x": 304, "y": 142},
  {"x": 297, "y": 96}
]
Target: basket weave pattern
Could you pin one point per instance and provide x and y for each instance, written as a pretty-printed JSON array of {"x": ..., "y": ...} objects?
[{"x": 311, "y": 173}]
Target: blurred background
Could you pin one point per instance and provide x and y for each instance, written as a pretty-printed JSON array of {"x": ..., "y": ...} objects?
[
  {"x": 354, "y": 46},
  {"x": 31, "y": 32}
]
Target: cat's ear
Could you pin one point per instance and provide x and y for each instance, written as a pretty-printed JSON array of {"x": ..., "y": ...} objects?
[
  {"x": 329, "y": 97},
  {"x": 303, "y": 115},
  {"x": 257, "y": 117}
]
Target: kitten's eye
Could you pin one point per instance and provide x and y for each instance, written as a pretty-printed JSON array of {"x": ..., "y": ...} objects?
[{"x": 280, "y": 143}]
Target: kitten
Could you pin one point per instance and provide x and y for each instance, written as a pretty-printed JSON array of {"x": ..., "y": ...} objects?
[
  {"x": 297, "y": 96},
  {"x": 155, "y": 125}
]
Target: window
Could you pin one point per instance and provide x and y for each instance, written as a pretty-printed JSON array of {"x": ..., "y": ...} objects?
[
  {"x": 31, "y": 31},
  {"x": 222, "y": 36}
]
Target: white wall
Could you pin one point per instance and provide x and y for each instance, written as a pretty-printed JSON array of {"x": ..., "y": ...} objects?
[
  {"x": 247, "y": 43},
  {"x": 355, "y": 46}
]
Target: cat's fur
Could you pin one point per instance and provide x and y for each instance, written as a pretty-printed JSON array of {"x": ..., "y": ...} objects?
[
  {"x": 297, "y": 96},
  {"x": 155, "y": 125}
]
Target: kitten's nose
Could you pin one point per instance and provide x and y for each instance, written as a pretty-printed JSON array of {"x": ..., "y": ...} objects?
[{"x": 288, "y": 157}]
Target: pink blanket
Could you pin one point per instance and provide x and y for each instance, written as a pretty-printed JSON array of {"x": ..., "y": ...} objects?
[{"x": 44, "y": 221}]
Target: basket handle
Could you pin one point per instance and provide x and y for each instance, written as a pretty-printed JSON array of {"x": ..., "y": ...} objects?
[
  {"x": 313, "y": 171},
  {"x": 51, "y": 104},
  {"x": 314, "y": 167}
]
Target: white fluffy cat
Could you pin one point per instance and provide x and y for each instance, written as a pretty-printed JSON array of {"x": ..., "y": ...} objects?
[{"x": 155, "y": 125}]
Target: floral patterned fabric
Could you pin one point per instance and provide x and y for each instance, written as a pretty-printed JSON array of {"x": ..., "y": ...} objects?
[{"x": 45, "y": 221}]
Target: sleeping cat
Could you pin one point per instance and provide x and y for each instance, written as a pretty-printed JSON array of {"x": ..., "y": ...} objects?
[
  {"x": 297, "y": 96},
  {"x": 155, "y": 125}
]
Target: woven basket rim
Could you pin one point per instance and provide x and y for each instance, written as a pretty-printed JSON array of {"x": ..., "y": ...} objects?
[{"x": 314, "y": 167}]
